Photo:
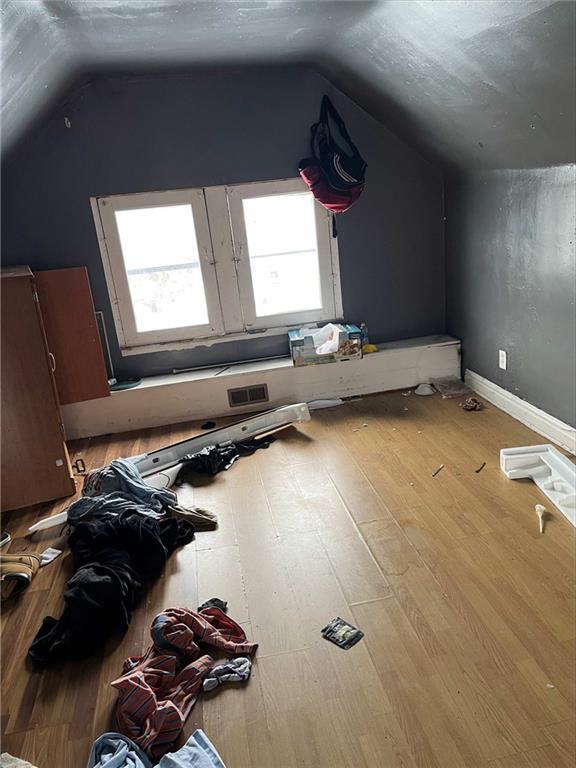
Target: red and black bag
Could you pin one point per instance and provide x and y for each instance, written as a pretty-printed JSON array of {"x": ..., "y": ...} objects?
[{"x": 335, "y": 173}]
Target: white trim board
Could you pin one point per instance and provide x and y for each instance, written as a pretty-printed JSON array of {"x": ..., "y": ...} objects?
[
  {"x": 560, "y": 433},
  {"x": 190, "y": 396}
]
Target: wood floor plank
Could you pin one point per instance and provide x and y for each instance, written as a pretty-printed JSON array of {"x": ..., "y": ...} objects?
[{"x": 562, "y": 736}]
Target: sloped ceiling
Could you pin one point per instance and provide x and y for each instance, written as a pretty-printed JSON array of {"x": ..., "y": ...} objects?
[{"x": 473, "y": 83}]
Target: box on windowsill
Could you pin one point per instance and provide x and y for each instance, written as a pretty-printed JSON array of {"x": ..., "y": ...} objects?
[{"x": 304, "y": 352}]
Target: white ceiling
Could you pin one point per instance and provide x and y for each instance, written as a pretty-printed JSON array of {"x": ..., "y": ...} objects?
[{"x": 475, "y": 83}]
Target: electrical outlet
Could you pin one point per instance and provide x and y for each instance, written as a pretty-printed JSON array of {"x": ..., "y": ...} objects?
[{"x": 502, "y": 359}]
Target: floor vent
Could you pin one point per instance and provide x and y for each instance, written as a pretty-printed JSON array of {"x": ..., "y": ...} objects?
[{"x": 258, "y": 393}]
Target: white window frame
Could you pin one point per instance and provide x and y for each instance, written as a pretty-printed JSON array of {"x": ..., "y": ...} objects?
[
  {"x": 225, "y": 265},
  {"x": 236, "y": 195}
]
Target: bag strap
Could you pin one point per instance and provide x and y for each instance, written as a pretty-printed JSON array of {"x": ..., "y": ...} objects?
[{"x": 329, "y": 112}]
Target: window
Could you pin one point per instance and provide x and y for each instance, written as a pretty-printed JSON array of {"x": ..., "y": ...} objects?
[{"x": 191, "y": 265}]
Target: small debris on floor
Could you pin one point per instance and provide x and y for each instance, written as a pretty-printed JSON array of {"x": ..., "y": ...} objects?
[
  {"x": 49, "y": 555},
  {"x": 407, "y": 393},
  {"x": 436, "y": 471},
  {"x": 549, "y": 685},
  {"x": 451, "y": 386},
  {"x": 405, "y": 409},
  {"x": 412, "y": 484},
  {"x": 424, "y": 390},
  {"x": 341, "y": 633},
  {"x": 208, "y": 425},
  {"x": 79, "y": 466},
  {"x": 542, "y": 515},
  {"x": 480, "y": 468},
  {"x": 471, "y": 404},
  {"x": 360, "y": 427}
]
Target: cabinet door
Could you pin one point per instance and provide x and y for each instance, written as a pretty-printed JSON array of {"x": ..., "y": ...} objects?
[
  {"x": 35, "y": 463},
  {"x": 72, "y": 333}
]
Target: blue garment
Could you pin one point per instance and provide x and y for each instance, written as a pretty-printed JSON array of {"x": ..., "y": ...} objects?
[
  {"x": 112, "y": 750},
  {"x": 123, "y": 476},
  {"x": 198, "y": 752},
  {"x": 118, "y": 487},
  {"x": 90, "y": 507}
]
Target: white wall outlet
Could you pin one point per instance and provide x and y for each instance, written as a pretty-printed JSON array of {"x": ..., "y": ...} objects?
[{"x": 502, "y": 359}]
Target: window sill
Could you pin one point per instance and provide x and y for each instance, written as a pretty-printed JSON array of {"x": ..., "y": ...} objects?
[{"x": 173, "y": 346}]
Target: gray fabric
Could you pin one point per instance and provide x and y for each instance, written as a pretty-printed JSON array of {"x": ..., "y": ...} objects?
[
  {"x": 199, "y": 517},
  {"x": 113, "y": 750},
  {"x": 118, "y": 487},
  {"x": 123, "y": 476},
  {"x": 235, "y": 670},
  {"x": 198, "y": 752},
  {"x": 88, "y": 507}
]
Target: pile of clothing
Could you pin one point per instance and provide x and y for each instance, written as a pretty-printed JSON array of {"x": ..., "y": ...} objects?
[
  {"x": 217, "y": 458},
  {"x": 157, "y": 691},
  {"x": 122, "y": 532},
  {"x": 114, "y": 749},
  {"x": 115, "y": 556},
  {"x": 118, "y": 487}
]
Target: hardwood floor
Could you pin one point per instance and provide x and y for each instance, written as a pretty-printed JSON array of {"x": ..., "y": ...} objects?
[{"x": 468, "y": 612}]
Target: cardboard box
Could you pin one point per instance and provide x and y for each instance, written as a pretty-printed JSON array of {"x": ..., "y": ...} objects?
[{"x": 304, "y": 352}]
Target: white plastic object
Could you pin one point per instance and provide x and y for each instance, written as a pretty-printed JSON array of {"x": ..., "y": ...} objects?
[
  {"x": 159, "y": 468},
  {"x": 326, "y": 339},
  {"x": 552, "y": 472},
  {"x": 159, "y": 461},
  {"x": 316, "y": 405},
  {"x": 49, "y": 522}
]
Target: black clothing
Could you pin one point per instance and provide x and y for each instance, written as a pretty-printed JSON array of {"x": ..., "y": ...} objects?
[{"x": 114, "y": 557}]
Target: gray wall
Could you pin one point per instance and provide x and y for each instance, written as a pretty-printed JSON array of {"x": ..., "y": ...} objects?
[
  {"x": 512, "y": 281},
  {"x": 142, "y": 133}
]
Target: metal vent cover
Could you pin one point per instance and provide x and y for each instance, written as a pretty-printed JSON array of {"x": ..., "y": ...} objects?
[{"x": 257, "y": 393}]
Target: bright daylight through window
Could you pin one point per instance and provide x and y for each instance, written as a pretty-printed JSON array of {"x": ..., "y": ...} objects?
[{"x": 184, "y": 265}]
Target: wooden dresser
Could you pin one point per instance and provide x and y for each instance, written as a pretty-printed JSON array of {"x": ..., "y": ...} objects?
[{"x": 34, "y": 458}]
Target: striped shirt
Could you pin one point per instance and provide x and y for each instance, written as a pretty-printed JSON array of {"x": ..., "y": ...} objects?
[{"x": 157, "y": 691}]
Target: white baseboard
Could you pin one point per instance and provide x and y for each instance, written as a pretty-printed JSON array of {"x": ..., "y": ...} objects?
[
  {"x": 560, "y": 433},
  {"x": 162, "y": 400}
]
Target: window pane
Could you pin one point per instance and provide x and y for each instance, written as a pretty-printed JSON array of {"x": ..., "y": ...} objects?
[
  {"x": 282, "y": 245},
  {"x": 162, "y": 263}
]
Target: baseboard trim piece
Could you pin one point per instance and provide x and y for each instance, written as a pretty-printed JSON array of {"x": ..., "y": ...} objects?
[{"x": 560, "y": 433}]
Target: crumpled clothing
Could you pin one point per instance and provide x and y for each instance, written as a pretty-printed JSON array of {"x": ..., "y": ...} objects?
[
  {"x": 91, "y": 507},
  {"x": 113, "y": 750},
  {"x": 216, "y": 458},
  {"x": 233, "y": 671},
  {"x": 179, "y": 630},
  {"x": 201, "y": 519},
  {"x": 114, "y": 557},
  {"x": 198, "y": 752},
  {"x": 158, "y": 690},
  {"x": 118, "y": 487},
  {"x": 121, "y": 475}
]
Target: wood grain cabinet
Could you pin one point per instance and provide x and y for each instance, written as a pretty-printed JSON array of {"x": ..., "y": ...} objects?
[
  {"x": 72, "y": 333},
  {"x": 34, "y": 460}
]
